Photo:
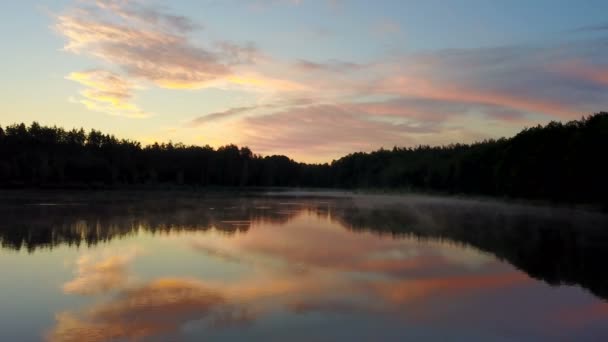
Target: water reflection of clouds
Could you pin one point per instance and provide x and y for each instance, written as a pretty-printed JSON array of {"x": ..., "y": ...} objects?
[
  {"x": 339, "y": 273},
  {"x": 311, "y": 242},
  {"x": 313, "y": 264},
  {"x": 580, "y": 316},
  {"x": 156, "y": 308},
  {"x": 216, "y": 252},
  {"x": 342, "y": 268},
  {"x": 96, "y": 274},
  {"x": 163, "y": 306}
]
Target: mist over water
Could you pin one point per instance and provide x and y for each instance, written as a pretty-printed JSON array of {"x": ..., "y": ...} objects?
[{"x": 298, "y": 266}]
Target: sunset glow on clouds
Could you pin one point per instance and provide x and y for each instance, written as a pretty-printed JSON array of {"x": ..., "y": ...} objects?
[
  {"x": 107, "y": 92},
  {"x": 293, "y": 77}
]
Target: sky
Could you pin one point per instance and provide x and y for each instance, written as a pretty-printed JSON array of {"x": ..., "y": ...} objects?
[{"x": 311, "y": 79}]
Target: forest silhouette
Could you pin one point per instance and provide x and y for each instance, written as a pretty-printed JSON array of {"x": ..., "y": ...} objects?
[{"x": 562, "y": 162}]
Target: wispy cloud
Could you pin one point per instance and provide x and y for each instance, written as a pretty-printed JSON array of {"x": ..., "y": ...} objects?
[
  {"x": 150, "y": 45},
  {"x": 232, "y": 112},
  {"x": 579, "y": 70},
  {"x": 155, "y": 50},
  {"x": 310, "y": 128},
  {"x": 592, "y": 28},
  {"x": 515, "y": 77},
  {"x": 386, "y": 27},
  {"x": 422, "y": 88},
  {"x": 107, "y": 92},
  {"x": 332, "y": 65},
  {"x": 148, "y": 15},
  {"x": 263, "y": 4},
  {"x": 238, "y": 111}
]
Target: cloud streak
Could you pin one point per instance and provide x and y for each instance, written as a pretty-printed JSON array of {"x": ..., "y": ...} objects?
[
  {"x": 580, "y": 70},
  {"x": 149, "y": 44},
  {"x": 239, "y": 111},
  {"x": 148, "y": 15},
  {"x": 229, "y": 113},
  {"x": 331, "y": 66},
  {"x": 107, "y": 92},
  {"x": 592, "y": 28},
  {"x": 166, "y": 59}
]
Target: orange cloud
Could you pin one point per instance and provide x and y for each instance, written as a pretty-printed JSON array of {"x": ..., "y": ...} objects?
[
  {"x": 154, "y": 50},
  {"x": 149, "y": 44},
  {"x": 303, "y": 132},
  {"x": 310, "y": 128},
  {"x": 107, "y": 92}
]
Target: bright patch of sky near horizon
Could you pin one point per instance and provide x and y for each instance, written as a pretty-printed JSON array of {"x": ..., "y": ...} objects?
[{"x": 310, "y": 79}]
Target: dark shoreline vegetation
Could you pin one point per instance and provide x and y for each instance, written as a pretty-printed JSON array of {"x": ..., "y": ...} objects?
[{"x": 558, "y": 162}]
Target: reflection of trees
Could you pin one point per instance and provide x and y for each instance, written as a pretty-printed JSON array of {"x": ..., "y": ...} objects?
[
  {"x": 557, "y": 247},
  {"x": 33, "y": 227}
]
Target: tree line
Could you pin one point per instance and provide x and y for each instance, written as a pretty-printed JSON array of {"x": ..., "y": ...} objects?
[{"x": 558, "y": 162}]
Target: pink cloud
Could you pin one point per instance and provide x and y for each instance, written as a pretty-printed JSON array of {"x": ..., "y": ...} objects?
[
  {"x": 427, "y": 89},
  {"x": 149, "y": 44},
  {"x": 320, "y": 131},
  {"x": 583, "y": 71}
]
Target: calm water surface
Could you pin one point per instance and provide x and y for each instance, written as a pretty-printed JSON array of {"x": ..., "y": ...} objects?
[{"x": 277, "y": 267}]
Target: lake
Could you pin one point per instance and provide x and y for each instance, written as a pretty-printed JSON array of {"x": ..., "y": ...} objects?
[{"x": 298, "y": 266}]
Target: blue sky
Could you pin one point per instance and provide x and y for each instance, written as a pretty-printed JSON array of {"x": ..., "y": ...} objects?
[{"x": 310, "y": 79}]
